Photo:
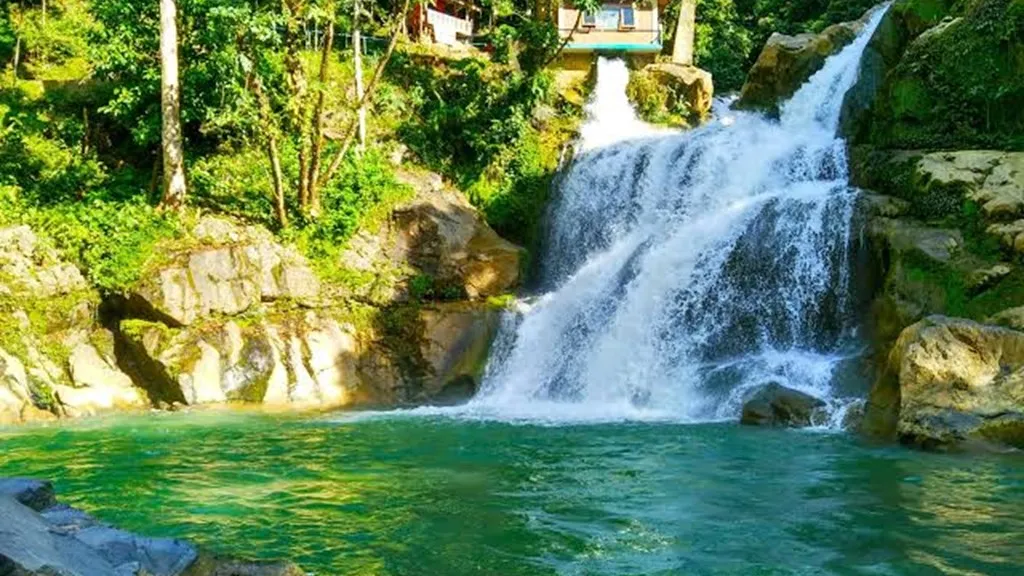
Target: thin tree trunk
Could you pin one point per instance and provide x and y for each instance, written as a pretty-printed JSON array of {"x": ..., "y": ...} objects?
[
  {"x": 565, "y": 42},
  {"x": 44, "y": 13},
  {"x": 350, "y": 134},
  {"x": 317, "y": 135},
  {"x": 173, "y": 150},
  {"x": 17, "y": 57},
  {"x": 273, "y": 153},
  {"x": 298, "y": 85},
  {"x": 682, "y": 45},
  {"x": 357, "y": 43}
]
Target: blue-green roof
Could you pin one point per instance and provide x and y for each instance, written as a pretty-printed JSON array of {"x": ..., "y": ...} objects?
[{"x": 612, "y": 47}]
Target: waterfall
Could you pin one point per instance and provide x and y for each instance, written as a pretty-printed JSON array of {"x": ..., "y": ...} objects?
[{"x": 683, "y": 269}]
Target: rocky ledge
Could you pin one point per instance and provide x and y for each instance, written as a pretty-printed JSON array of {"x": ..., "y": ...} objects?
[
  {"x": 41, "y": 537},
  {"x": 229, "y": 314}
]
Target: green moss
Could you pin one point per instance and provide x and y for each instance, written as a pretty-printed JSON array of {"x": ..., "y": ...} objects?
[
  {"x": 657, "y": 102},
  {"x": 502, "y": 302},
  {"x": 958, "y": 87}
]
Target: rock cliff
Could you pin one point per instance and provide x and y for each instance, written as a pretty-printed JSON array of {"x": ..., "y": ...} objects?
[{"x": 229, "y": 314}]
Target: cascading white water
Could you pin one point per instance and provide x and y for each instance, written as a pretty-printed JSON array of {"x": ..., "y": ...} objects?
[{"x": 682, "y": 269}]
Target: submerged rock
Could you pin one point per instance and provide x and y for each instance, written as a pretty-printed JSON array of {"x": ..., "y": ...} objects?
[
  {"x": 39, "y": 537},
  {"x": 777, "y": 405},
  {"x": 951, "y": 381}
]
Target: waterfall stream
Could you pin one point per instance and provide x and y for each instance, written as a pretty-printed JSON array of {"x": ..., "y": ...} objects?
[{"x": 683, "y": 269}]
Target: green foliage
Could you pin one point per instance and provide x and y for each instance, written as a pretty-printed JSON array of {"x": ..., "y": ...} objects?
[
  {"x": 731, "y": 33},
  {"x": 959, "y": 87},
  {"x": 361, "y": 196},
  {"x": 8, "y": 36},
  {"x": 476, "y": 123},
  {"x": 110, "y": 241},
  {"x": 56, "y": 49}
]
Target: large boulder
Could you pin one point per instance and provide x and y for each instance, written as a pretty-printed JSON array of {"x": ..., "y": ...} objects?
[
  {"x": 316, "y": 359},
  {"x": 39, "y": 537},
  {"x": 226, "y": 269},
  {"x": 436, "y": 243},
  {"x": 669, "y": 93},
  {"x": 776, "y": 405},
  {"x": 949, "y": 382},
  {"x": 786, "y": 62}
]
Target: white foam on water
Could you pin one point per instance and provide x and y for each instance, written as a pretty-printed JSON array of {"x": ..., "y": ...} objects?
[{"x": 683, "y": 269}]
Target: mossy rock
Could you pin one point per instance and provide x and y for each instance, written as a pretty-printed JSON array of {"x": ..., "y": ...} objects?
[{"x": 960, "y": 84}]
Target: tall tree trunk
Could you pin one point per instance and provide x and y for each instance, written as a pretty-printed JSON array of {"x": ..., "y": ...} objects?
[
  {"x": 682, "y": 46},
  {"x": 350, "y": 133},
  {"x": 170, "y": 94},
  {"x": 298, "y": 85},
  {"x": 357, "y": 43},
  {"x": 317, "y": 135},
  {"x": 44, "y": 13}
]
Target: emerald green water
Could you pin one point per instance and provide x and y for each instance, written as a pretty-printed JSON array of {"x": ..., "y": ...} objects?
[{"x": 436, "y": 496}]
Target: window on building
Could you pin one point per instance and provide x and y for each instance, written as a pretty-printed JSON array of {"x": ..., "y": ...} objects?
[
  {"x": 589, "y": 20},
  {"x": 608, "y": 18},
  {"x": 628, "y": 18}
]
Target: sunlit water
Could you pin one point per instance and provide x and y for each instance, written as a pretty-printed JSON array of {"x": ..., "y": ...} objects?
[
  {"x": 681, "y": 270},
  {"x": 447, "y": 497}
]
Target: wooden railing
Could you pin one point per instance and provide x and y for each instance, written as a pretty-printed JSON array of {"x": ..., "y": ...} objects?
[{"x": 446, "y": 24}]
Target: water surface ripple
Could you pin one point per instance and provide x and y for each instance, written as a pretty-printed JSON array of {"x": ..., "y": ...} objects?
[{"x": 439, "y": 496}]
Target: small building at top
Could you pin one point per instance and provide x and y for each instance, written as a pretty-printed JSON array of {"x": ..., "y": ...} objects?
[{"x": 631, "y": 27}]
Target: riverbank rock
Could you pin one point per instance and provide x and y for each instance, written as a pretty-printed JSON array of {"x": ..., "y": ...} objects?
[
  {"x": 227, "y": 270},
  {"x": 669, "y": 93},
  {"x": 316, "y": 359},
  {"x": 937, "y": 184},
  {"x": 436, "y": 244},
  {"x": 786, "y": 62},
  {"x": 54, "y": 358},
  {"x": 39, "y": 537},
  {"x": 777, "y": 405},
  {"x": 949, "y": 382}
]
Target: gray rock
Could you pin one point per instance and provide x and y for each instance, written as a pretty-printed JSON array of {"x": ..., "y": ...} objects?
[
  {"x": 64, "y": 541},
  {"x": 777, "y": 405},
  {"x": 36, "y": 494}
]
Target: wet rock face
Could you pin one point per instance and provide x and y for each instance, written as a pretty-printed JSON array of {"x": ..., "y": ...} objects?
[
  {"x": 786, "y": 62},
  {"x": 950, "y": 382},
  {"x": 39, "y": 537},
  {"x": 777, "y": 405}
]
